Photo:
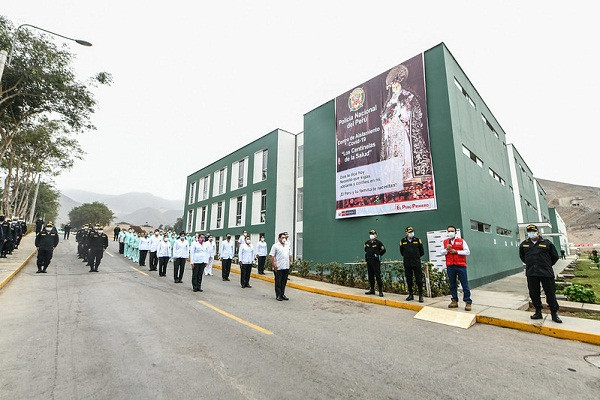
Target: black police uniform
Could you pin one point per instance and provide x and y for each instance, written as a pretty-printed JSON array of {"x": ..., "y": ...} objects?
[
  {"x": 39, "y": 225},
  {"x": 67, "y": 230},
  {"x": 4, "y": 232},
  {"x": 45, "y": 242},
  {"x": 374, "y": 249},
  {"x": 96, "y": 243},
  {"x": 539, "y": 257},
  {"x": 412, "y": 251}
]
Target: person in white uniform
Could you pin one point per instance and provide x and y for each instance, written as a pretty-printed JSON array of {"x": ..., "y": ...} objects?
[
  {"x": 280, "y": 259},
  {"x": 246, "y": 256},
  {"x": 164, "y": 253},
  {"x": 181, "y": 251},
  {"x": 210, "y": 243},
  {"x": 226, "y": 253},
  {"x": 199, "y": 255},
  {"x": 154, "y": 242},
  {"x": 261, "y": 252}
]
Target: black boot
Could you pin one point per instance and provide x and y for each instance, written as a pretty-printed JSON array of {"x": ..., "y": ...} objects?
[
  {"x": 380, "y": 293},
  {"x": 420, "y": 298},
  {"x": 410, "y": 297},
  {"x": 372, "y": 291},
  {"x": 537, "y": 315},
  {"x": 556, "y": 318}
]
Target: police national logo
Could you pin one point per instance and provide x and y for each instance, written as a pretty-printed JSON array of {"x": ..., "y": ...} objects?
[{"x": 356, "y": 99}]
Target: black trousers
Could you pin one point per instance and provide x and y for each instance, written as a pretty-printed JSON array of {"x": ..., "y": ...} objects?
[
  {"x": 261, "y": 264},
  {"x": 143, "y": 254},
  {"x": 409, "y": 271},
  {"x": 94, "y": 258},
  {"x": 246, "y": 269},
  {"x": 162, "y": 266},
  {"x": 153, "y": 261},
  {"x": 281, "y": 276},
  {"x": 197, "y": 274},
  {"x": 121, "y": 247},
  {"x": 43, "y": 258},
  {"x": 178, "y": 268},
  {"x": 533, "y": 283},
  {"x": 374, "y": 272},
  {"x": 66, "y": 236},
  {"x": 115, "y": 237},
  {"x": 225, "y": 268}
]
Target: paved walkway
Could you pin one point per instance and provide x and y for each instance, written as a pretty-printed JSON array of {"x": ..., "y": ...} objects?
[{"x": 13, "y": 263}]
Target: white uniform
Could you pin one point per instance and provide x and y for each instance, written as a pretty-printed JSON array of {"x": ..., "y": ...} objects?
[
  {"x": 181, "y": 249},
  {"x": 226, "y": 249},
  {"x": 246, "y": 254},
  {"x": 199, "y": 252},
  {"x": 163, "y": 249},
  {"x": 144, "y": 244},
  {"x": 261, "y": 249},
  {"x": 154, "y": 242},
  {"x": 212, "y": 248}
]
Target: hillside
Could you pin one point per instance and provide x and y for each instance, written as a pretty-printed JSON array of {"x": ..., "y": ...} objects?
[{"x": 579, "y": 207}]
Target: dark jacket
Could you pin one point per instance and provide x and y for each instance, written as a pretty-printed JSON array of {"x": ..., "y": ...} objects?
[
  {"x": 412, "y": 251},
  {"x": 374, "y": 249},
  {"x": 39, "y": 225},
  {"x": 96, "y": 241},
  {"x": 45, "y": 240},
  {"x": 538, "y": 257}
]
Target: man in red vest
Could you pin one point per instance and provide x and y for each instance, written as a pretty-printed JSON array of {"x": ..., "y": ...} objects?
[{"x": 456, "y": 251}]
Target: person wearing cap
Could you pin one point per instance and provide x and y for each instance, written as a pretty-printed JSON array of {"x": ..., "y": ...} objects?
[
  {"x": 411, "y": 248},
  {"x": 97, "y": 242},
  {"x": 67, "y": 231},
  {"x": 374, "y": 250},
  {"x": 45, "y": 242},
  {"x": 4, "y": 231},
  {"x": 181, "y": 251},
  {"x": 539, "y": 255},
  {"x": 456, "y": 251}
]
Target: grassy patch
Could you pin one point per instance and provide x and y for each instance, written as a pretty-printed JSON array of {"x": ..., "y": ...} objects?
[{"x": 587, "y": 277}]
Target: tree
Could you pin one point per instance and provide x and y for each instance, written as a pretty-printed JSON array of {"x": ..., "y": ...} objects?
[
  {"x": 47, "y": 203},
  {"x": 90, "y": 213},
  {"x": 178, "y": 226}
]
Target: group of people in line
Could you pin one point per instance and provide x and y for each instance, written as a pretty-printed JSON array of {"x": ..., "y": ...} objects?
[
  {"x": 538, "y": 254},
  {"x": 201, "y": 250},
  {"x": 11, "y": 232}
]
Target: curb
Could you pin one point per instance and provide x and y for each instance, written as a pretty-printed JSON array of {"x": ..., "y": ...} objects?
[
  {"x": 16, "y": 271},
  {"x": 559, "y": 333}
]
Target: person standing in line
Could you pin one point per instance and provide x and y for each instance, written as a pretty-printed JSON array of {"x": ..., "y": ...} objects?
[
  {"x": 45, "y": 242},
  {"x": 456, "y": 251},
  {"x": 39, "y": 225},
  {"x": 116, "y": 233},
  {"x": 226, "y": 253},
  {"x": 122, "y": 242},
  {"x": 144, "y": 248},
  {"x": 97, "y": 242},
  {"x": 242, "y": 239},
  {"x": 563, "y": 254},
  {"x": 210, "y": 243},
  {"x": 181, "y": 251},
  {"x": 280, "y": 259},
  {"x": 4, "y": 232},
  {"x": 411, "y": 248},
  {"x": 261, "y": 252},
  {"x": 154, "y": 242},
  {"x": 374, "y": 250},
  {"x": 246, "y": 256},
  {"x": 84, "y": 243},
  {"x": 164, "y": 252},
  {"x": 199, "y": 253},
  {"x": 67, "y": 230},
  {"x": 128, "y": 243},
  {"x": 136, "y": 247},
  {"x": 539, "y": 255}
]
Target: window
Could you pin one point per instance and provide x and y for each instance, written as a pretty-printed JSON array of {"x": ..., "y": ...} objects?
[
  {"x": 219, "y": 215},
  {"x": 497, "y": 177},
  {"x": 203, "y": 218},
  {"x": 472, "y": 156},
  {"x": 261, "y": 159},
  {"x": 238, "y": 174},
  {"x": 480, "y": 226},
  {"x": 190, "y": 217},
  {"x": 263, "y": 206},
  {"x": 192, "y": 196},
  {"x": 299, "y": 245},
  {"x": 238, "y": 211},
  {"x": 241, "y": 173},
  {"x": 219, "y": 181},
  {"x": 265, "y": 159},
  {"x": 299, "y": 204},
  {"x": 300, "y": 161},
  {"x": 205, "y": 183},
  {"x": 503, "y": 232},
  {"x": 222, "y": 181},
  {"x": 464, "y": 93},
  {"x": 490, "y": 127}
]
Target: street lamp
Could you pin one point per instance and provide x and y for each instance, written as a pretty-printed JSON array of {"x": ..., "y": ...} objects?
[{"x": 3, "y": 58}]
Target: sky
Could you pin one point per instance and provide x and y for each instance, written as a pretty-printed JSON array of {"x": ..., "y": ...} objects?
[{"x": 194, "y": 81}]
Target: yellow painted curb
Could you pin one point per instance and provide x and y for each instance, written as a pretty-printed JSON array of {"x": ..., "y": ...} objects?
[{"x": 16, "y": 271}]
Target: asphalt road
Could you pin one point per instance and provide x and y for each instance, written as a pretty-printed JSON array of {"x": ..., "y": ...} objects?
[{"x": 121, "y": 334}]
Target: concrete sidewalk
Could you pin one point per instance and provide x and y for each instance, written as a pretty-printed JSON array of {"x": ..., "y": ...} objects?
[
  {"x": 12, "y": 264},
  {"x": 491, "y": 306}
]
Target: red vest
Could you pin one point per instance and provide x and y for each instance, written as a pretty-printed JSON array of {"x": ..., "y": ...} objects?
[{"x": 455, "y": 259}]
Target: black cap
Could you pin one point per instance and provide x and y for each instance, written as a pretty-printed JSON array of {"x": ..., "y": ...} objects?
[
  {"x": 409, "y": 229},
  {"x": 372, "y": 232},
  {"x": 532, "y": 228}
]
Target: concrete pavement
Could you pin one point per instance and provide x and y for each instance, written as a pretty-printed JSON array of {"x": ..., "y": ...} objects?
[{"x": 12, "y": 264}]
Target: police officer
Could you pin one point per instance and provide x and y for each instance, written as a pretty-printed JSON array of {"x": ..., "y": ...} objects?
[
  {"x": 539, "y": 255},
  {"x": 411, "y": 248},
  {"x": 97, "y": 242},
  {"x": 39, "y": 225},
  {"x": 45, "y": 242},
  {"x": 67, "y": 230},
  {"x": 374, "y": 249},
  {"x": 4, "y": 232}
]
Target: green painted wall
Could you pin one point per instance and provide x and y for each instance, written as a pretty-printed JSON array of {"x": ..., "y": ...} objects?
[
  {"x": 327, "y": 239},
  {"x": 527, "y": 190},
  {"x": 269, "y": 141}
]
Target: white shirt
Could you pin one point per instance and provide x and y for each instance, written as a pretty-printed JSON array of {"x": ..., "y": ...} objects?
[
  {"x": 212, "y": 248},
  {"x": 246, "y": 254},
  {"x": 144, "y": 244},
  {"x": 163, "y": 249},
  {"x": 261, "y": 249},
  {"x": 181, "y": 249},
  {"x": 281, "y": 255},
  {"x": 226, "y": 250},
  {"x": 464, "y": 252},
  {"x": 199, "y": 252},
  {"x": 242, "y": 240},
  {"x": 154, "y": 242}
]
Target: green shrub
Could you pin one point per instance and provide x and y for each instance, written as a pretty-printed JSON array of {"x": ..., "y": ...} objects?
[
  {"x": 320, "y": 269},
  {"x": 303, "y": 267},
  {"x": 438, "y": 279},
  {"x": 580, "y": 294}
]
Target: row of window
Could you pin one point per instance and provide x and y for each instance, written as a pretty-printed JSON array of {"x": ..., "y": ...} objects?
[
  {"x": 487, "y": 123},
  {"x": 237, "y": 213},
  {"x": 239, "y": 177},
  {"x": 486, "y": 228},
  {"x": 478, "y": 161},
  {"x": 464, "y": 93}
]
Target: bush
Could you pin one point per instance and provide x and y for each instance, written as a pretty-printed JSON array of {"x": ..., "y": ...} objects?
[
  {"x": 303, "y": 267},
  {"x": 580, "y": 294},
  {"x": 320, "y": 268},
  {"x": 438, "y": 279}
]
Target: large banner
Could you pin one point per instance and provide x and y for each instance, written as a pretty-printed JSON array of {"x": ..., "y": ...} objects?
[{"x": 383, "y": 154}]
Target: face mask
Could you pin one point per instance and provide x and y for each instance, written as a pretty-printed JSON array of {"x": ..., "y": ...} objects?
[
  {"x": 451, "y": 235},
  {"x": 532, "y": 235},
  {"x": 371, "y": 237},
  {"x": 283, "y": 240},
  {"x": 201, "y": 239},
  {"x": 411, "y": 235},
  {"x": 165, "y": 240},
  {"x": 211, "y": 239},
  {"x": 262, "y": 239},
  {"x": 228, "y": 237},
  {"x": 130, "y": 231},
  {"x": 100, "y": 231},
  {"x": 156, "y": 234},
  {"x": 247, "y": 242},
  {"x": 48, "y": 229}
]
